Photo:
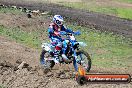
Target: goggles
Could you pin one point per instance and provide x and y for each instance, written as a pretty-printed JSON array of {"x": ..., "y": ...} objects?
[{"x": 58, "y": 22}]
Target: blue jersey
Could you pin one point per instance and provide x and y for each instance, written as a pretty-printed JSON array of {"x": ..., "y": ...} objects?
[{"x": 54, "y": 28}]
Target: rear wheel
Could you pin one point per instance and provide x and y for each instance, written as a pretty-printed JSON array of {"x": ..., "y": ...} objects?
[
  {"x": 84, "y": 60},
  {"x": 49, "y": 63}
]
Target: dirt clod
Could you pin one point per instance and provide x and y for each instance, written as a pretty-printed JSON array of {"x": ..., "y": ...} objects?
[{"x": 19, "y": 61}]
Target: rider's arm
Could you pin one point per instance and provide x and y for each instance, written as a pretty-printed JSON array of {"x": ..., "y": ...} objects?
[
  {"x": 51, "y": 31},
  {"x": 67, "y": 30}
]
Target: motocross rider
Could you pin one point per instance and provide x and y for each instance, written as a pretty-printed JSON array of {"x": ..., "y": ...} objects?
[{"x": 55, "y": 30}]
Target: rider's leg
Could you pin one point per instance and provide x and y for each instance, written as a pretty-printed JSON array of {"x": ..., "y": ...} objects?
[
  {"x": 64, "y": 50},
  {"x": 66, "y": 59},
  {"x": 57, "y": 52},
  {"x": 56, "y": 42}
]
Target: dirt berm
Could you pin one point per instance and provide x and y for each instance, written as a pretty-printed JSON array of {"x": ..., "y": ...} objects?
[{"x": 84, "y": 18}]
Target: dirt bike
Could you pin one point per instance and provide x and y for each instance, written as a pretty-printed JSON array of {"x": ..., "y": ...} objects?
[{"x": 82, "y": 57}]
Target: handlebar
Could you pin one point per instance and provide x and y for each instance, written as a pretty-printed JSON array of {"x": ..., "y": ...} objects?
[{"x": 65, "y": 33}]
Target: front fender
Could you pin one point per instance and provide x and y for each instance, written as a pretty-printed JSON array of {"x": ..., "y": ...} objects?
[{"x": 82, "y": 44}]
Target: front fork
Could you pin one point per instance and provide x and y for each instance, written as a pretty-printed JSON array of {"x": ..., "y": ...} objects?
[
  {"x": 42, "y": 61},
  {"x": 76, "y": 61},
  {"x": 75, "y": 64}
]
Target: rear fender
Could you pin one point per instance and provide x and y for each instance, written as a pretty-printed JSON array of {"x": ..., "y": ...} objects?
[
  {"x": 49, "y": 59},
  {"x": 46, "y": 47}
]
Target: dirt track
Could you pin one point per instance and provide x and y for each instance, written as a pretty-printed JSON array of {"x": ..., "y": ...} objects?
[
  {"x": 84, "y": 18},
  {"x": 33, "y": 76}
]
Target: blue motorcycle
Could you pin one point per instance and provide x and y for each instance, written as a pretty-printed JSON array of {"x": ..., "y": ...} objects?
[{"x": 73, "y": 52}]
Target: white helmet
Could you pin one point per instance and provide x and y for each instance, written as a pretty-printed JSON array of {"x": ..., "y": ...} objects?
[{"x": 58, "y": 19}]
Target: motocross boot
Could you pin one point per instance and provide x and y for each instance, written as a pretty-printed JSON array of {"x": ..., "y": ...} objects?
[{"x": 66, "y": 59}]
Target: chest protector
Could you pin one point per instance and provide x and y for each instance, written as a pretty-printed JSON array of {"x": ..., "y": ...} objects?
[{"x": 55, "y": 27}]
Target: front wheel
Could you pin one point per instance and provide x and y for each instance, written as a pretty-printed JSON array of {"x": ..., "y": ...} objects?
[
  {"x": 81, "y": 80},
  {"x": 49, "y": 63},
  {"x": 84, "y": 60}
]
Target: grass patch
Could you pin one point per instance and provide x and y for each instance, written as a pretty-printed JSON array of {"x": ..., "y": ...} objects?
[
  {"x": 120, "y": 12},
  {"x": 124, "y": 13},
  {"x": 110, "y": 10},
  {"x": 127, "y": 1},
  {"x": 10, "y": 10},
  {"x": 106, "y": 49},
  {"x": 29, "y": 38},
  {"x": 1, "y": 86}
]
